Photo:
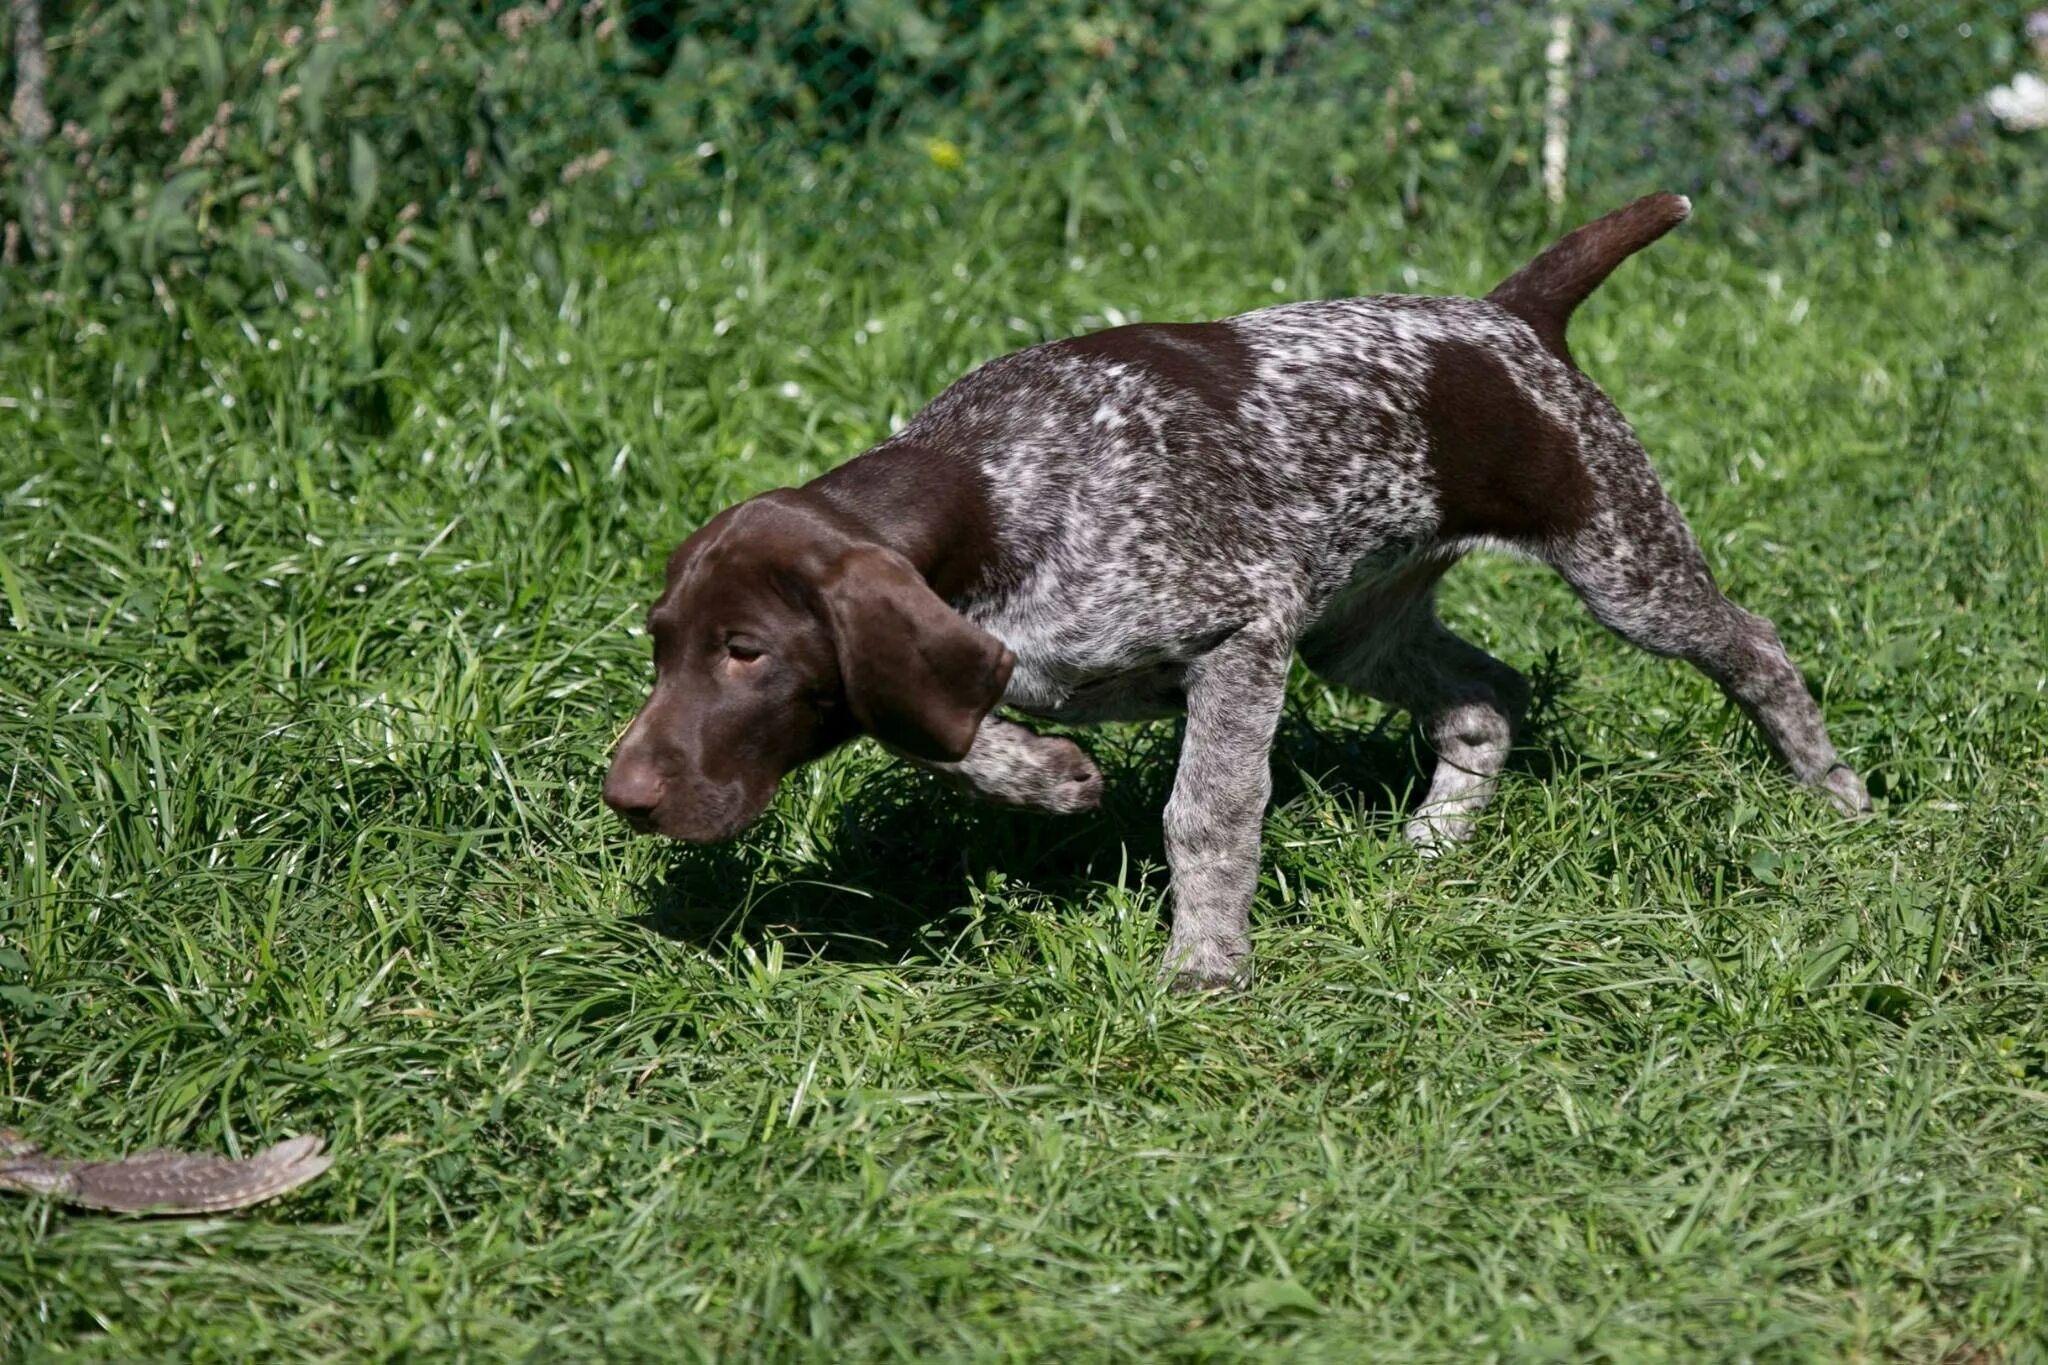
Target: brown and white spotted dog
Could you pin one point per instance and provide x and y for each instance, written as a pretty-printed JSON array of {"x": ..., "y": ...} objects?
[{"x": 1156, "y": 518}]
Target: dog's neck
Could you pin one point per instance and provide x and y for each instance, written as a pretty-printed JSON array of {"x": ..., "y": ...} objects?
[{"x": 929, "y": 506}]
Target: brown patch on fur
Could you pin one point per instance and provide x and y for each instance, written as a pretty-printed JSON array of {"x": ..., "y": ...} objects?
[
  {"x": 930, "y": 504},
  {"x": 1502, "y": 468},
  {"x": 1206, "y": 359}
]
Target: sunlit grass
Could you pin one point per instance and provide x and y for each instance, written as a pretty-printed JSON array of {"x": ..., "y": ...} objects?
[{"x": 303, "y": 712}]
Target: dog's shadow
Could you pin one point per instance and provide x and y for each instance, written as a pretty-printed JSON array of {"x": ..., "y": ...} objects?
[{"x": 896, "y": 867}]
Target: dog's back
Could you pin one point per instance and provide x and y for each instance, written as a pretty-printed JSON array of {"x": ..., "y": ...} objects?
[
  {"x": 1281, "y": 451},
  {"x": 1150, "y": 480}
]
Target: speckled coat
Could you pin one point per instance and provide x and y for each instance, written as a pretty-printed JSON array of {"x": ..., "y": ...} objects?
[{"x": 1157, "y": 518}]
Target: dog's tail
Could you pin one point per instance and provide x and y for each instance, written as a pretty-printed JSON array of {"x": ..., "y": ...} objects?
[{"x": 1544, "y": 292}]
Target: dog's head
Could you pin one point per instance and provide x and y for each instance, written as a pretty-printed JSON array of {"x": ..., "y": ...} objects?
[{"x": 783, "y": 632}]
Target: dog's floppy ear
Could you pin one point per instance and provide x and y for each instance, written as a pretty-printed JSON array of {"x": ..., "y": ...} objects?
[{"x": 917, "y": 675}]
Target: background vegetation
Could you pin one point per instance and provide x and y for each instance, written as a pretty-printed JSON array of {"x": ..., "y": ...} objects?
[{"x": 370, "y": 361}]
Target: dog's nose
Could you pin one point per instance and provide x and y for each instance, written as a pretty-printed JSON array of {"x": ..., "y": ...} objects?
[{"x": 633, "y": 790}]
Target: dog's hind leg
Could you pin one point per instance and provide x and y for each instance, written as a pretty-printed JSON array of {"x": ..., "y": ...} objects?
[
  {"x": 1389, "y": 644},
  {"x": 1636, "y": 565}
]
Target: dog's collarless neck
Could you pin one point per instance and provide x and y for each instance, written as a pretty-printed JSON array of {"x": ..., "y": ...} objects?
[{"x": 929, "y": 505}]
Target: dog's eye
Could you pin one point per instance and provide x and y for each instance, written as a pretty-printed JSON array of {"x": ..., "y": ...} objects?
[{"x": 739, "y": 651}]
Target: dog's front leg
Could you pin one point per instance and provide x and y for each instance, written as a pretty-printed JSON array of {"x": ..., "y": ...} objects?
[
  {"x": 1015, "y": 767},
  {"x": 1214, "y": 817}
]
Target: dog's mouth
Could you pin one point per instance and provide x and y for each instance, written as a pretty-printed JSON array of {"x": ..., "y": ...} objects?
[{"x": 707, "y": 824}]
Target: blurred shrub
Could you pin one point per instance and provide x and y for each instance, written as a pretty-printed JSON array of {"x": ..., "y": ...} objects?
[
  {"x": 1781, "y": 106},
  {"x": 239, "y": 156},
  {"x": 259, "y": 150}
]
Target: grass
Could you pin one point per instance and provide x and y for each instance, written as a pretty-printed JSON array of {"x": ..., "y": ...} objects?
[{"x": 315, "y": 631}]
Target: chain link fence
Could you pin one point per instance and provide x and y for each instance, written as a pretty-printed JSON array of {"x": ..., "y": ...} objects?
[
  {"x": 263, "y": 149},
  {"x": 1783, "y": 81}
]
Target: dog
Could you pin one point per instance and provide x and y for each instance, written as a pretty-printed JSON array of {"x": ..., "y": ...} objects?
[{"x": 1155, "y": 519}]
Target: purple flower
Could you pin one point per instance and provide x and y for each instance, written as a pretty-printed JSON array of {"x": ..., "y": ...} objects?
[{"x": 2037, "y": 24}]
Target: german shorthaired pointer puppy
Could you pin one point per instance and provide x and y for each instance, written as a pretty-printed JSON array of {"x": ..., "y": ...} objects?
[{"x": 1155, "y": 518}]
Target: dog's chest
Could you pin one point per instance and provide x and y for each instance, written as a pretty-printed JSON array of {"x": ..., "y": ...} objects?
[
  {"x": 1144, "y": 692},
  {"x": 1099, "y": 644},
  {"x": 1083, "y": 667}
]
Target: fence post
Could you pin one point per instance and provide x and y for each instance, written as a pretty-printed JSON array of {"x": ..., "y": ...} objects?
[
  {"x": 1557, "y": 97},
  {"x": 31, "y": 116}
]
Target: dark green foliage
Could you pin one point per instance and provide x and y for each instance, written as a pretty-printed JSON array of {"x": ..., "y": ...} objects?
[{"x": 251, "y": 156}]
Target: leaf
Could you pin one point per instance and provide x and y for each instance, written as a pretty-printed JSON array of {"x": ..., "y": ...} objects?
[
  {"x": 169, "y": 225},
  {"x": 32, "y": 1003},
  {"x": 467, "y": 261},
  {"x": 918, "y": 36},
  {"x": 1765, "y": 864},
  {"x": 20, "y": 617},
  {"x": 282, "y": 258},
  {"x": 362, "y": 174},
  {"x": 1267, "y": 1297},
  {"x": 314, "y": 79},
  {"x": 1889, "y": 1002},
  {"x": 302, "y": 167},
  {"x": 1823, "y": 963},
  {"x": 213, "y": 66}
]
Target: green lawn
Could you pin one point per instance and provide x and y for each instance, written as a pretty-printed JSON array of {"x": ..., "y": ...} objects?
[{"x": 314, "y": 636}]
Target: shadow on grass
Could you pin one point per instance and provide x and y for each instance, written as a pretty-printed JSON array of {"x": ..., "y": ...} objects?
[{"x": 896, "y": 869}]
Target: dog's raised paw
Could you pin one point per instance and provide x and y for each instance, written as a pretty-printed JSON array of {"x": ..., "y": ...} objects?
[
  {"x": 1058, "y": 779},
  {"x": 1078, "y": 784}
]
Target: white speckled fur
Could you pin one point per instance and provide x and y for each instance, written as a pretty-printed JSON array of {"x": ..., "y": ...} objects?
[{"x": 1169, "y": 545}]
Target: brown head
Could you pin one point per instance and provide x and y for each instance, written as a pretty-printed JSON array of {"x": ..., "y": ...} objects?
[{"x": 785, "y": 630}]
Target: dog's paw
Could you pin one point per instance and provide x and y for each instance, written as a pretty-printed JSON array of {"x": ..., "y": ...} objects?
[
  {"x": 1039, "y": 773},
  {"x": 1437, "y": 832},
  {"x": 1207, "y": 967},
  {"x": 1074, "y": 782},
  {"x": 1058, "y": 779},
  {"x": 1845, "y": 790}
]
